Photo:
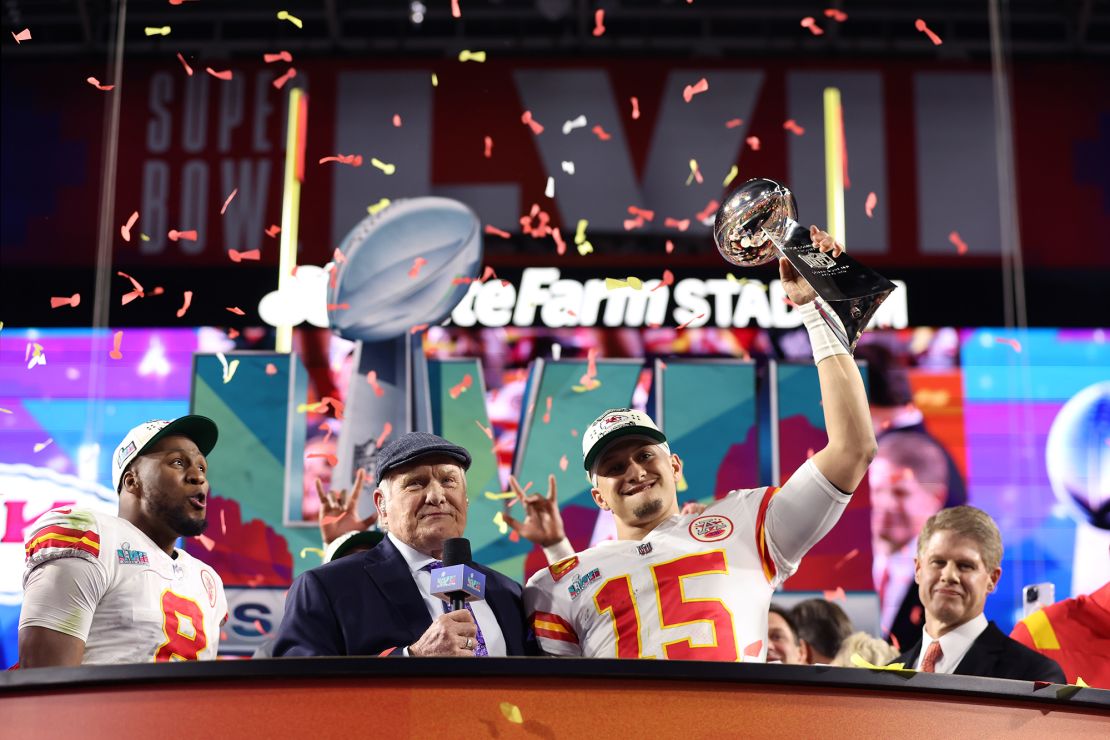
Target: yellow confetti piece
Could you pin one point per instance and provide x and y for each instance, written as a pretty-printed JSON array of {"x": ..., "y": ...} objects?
[
  {"x": 435, "y": 80},
  {"x": 6, "y": 411},
  {"x": 313, "y": 407},
  {"x": 682, "y": 485},
  {"x": 1080, "y": 682},
  {"x": 693, "y": 171},
  {"x": 283, "y": 15},
  {"x": 306, "y": 550},
  {"x": 631, "y": 282},
  {"x": 229, "y": 368},
  {"x": 499, "y": 520},
  {"x": 499, "y": 496},
  {"x": 512, "y": 713},
  {"x": 472, "y": 56},
  {"x": 156, "y": 31},
  {"x": 585, "y": 248},
  {"x": 587, "y": 387},
  {"x": 580, "y": 232},
  {"x": 388, "y": 169},
  {"x": 859, "y": 662},
  {"x": 1066, "y": 692},
  {"x": 40, "y": 446},
  {"x": 731, "y": 175},
  {"x": 380, "y": 205},
  {"x": 144, "y": 237}
]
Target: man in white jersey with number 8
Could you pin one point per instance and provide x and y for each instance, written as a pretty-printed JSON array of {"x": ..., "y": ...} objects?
[{"x": 697, "y": 587}]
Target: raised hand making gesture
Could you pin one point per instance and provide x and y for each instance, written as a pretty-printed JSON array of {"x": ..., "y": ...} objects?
[
  {"x": 338, "y": 513},
  {"x": 543, "y": 524}
]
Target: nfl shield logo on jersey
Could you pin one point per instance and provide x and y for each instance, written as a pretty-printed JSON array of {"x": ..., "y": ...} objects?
[
  {"x": 710, "y": 528},
  {"x": 209, "y": 586},
  {"x": 644, "y": 549}
]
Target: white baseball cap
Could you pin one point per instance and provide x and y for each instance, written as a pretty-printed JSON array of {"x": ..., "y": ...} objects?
[
  {"x": 200, "y": 429},
  {"x": 611, "y": 426}
]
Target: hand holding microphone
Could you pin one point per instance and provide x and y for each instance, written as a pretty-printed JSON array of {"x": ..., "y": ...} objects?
[{"x": 456, "y": 632}]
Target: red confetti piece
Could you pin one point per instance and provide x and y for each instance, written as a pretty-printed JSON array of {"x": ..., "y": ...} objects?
[
  {"x": 338, "y": 306},
  {"x": 281, "y": 56},
  {"x": 535, "y": 125},
  {"x": 514, "y": 536},
  {"x": 128, "y": 297},
  {"x": 734, "y": 123},
  {"x": 207, "y": 542},
  {"x": 563, "y": 463},
  {"x": 669, "y": 246},
  {"x": 560, "y": 245},
  {"x": 635, "y": 108},
  {"x": 642, "y": 213},
  {"x": 332, "y": 459},
  {"x": 599, "y": 22},
  {"x": 676, "y": 224},
  {"x": 416, "y": 265},
  {"x": 536, "y": 222},
  {"x": 1015, "y": 344},
  {"x": 185, "y": 306},
  {"x": 279, "y": 82},
  {"x": 753, "y": 142},
  {"x": 494, "y": 231},
  {"x": 235, "y": 310},
  {"x": 837, "y": 15},
  {"x": 487, "y": 430},
  {"x": 96, "y": 83},
  {"x": 668, "y": 279},
  {"x": 418, "y": 328},
  {"x": 455, "y": 12},
  {"x": 1037, "y": 685},
  {"x": 915, "y": 615},
  {"x": 125, "y": 230},
  {"x": 338, "y": 256},
  {"x": 709, "y": 209},
  {"x": 591, "y": 368},
  {"x": 228, "y": 201},
  {"x": 134, "y": 283},
  {"x": 224, "y": 74},
  {"x": 372, "y": 379},
  {"x": 257, "y": 624},
  {"x": 188, "y": 69},
  {"x": 273, "y": 231},
  {"x": 920, "y": 26},
  {"x": 117, "y": 340},
  {"x": 754, "y": 649},
  {"x": 894, "y": 642},
  {"x": 491, "y": 273},
  {"x": 250, "y": 254},
  {"x": 846, "y": 558},
  {"x": 190, "y": 235},
  {"x": 459, "y": 388},
  {"x": 547, "y": 415},
  {"x": 686, "y": 324},
  {"x": 869, "y": 206},
  {"x": 271, "y": 369},
  {"x": 633, "y": 223},
  {"x": 24, "y": 35},
  {"x": 396, "y": 120},
  {"x": 159, "y": 290},
  {"x": 836, "y": 595},
  {"x": 462, "y": 281},
  {"x": 690, "y": 91},
  {"x": 793, "y": 127},
  {"x": 355, "y": 160},
  {"x": 601, "y": 133},
  {"x": 73, "y": 300},
  {"x": 961, "y": 246},
  {"x": 811, "y": 24},
  {"x": 334, "y": 403},
  {"x": 489, "y": 147}
]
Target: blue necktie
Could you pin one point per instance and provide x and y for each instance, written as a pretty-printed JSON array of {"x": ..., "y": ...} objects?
[{"x": 480, "y": 642}]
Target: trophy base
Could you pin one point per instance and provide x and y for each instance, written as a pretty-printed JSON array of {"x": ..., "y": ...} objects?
[{"x": 848, "y": 292}]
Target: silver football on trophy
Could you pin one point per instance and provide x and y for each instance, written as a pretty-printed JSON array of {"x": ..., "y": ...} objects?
[{"x": 751, "y": 213}]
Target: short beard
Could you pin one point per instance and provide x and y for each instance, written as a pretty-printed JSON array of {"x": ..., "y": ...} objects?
[
  {"x": 177, "y": 519},
  {"x": 648, "y": 508}
]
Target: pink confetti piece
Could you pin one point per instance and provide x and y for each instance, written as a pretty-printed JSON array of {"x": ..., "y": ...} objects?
[
  {"x": 417, "y": 329},
  {"x": 271, "y": 369},
  {"x": 601, "y": 133},
  {"x": 175, "y": 235},
  {"x": 547, "y": 415},
  {"x": 488, "y": 430},
  {"x": 633, "y": 223},
  {"x": 96, "y": 83},
  {"x": 134, "y": 283},
  {"x": 961, "y": 246},
  {"x": 459, "y": 388},
  {"x": 185, "y": 306},
  {"x": 281, "y": 56},
  {"x": 754, "y": 649},
  {"x": 869, "y": 206},
  {"x": 128, "y": 297},
  {"x": 846, "y": 558},
  {"x": 836, "y": 594},
  {"x": 257, "y": 624},
  {"x": 535, "y": 125},
  {"x": 159, "y": 290},
  {"x": 599, "y": 22},
  {"x": 416, "y": 265},
  {"x": 228, "y": 201},
  {"x": 837, "y": 15},
  {"x": 810, "y": 23},
  {"x": 708, "y": 211},
  {"x": 224, "y": 74},
  {"x": 455, "y": 11},
  {"x": 793, "y": 127},
  {"x": 489, "y": 147},
  {"x": 235, "y": 310},
  {"x": 188, "y": 69},
  {"x": 125, "y": 230},
  {"x": 355, "y": 160},
  {"x": 494, "y": 231},
  {"x": 560, "y": 244},
  {"x": 668, "y": 279},
  {"x": 338, "y": 306},
  {"x": 386, "y": 430},
  {"x": 338, "y": 256},
  {"x": 591, "y": 367},
  {"x": 207, "y": 542},
  {"x": 920, "y": 26},
  {"x": 250, "y": 254},
  {"x": 279, "y": 82},
  {"x": 117, "y": 340},
  {"x": 332, "y": 459},
  {"x": 563, "y": 463},
  {"x": 24, "y": 35},
  {"x": 753, "y": 142},
  {"x": 273, "y": 231},
  {"x": 40, "y": 446},
  {"x": 734, "y": 123},
  {"x": 73, "y": 300},
  {"x": 690, "y": 91},
  {"x": 635, "y": 108},
  {"x": 669, "y": 246},
  {"x": 642, "y": 213},
  {"x": 685, "y": 324},
  {"x": 915, "y": 615},
  {"x": 372, "y": 379},
  {"x": 1012, "y": 343},
  {"x": 397, "y": 120},
  {"x": 674, "y": 223}
]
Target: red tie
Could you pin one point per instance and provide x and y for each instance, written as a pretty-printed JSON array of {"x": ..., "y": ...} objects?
[{"x": 932, "y": 655}]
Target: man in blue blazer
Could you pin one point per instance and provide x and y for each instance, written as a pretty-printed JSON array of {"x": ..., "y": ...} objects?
[{"x": 379, "y": 602}]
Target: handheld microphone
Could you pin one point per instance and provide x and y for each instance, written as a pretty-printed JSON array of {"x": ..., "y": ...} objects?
[{"x": 456, "y": 582}]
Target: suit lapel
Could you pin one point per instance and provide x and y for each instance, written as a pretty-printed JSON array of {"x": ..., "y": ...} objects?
[
  {"x": 909, "y": 658},
  {"x": 390, "y": 572},
  {"x": 982, "y": 657}
]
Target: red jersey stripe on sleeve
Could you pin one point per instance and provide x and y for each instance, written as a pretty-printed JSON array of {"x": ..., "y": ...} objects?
[
  {"x": 553, "y": 627},
  {"x": 74, "y": 539},
  {"x": 765, "y": 557}
]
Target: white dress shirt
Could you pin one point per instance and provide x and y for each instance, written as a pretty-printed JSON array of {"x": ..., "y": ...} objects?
[
  {"x": 953, "y": 645},
  {"x": 483, "y": 615},
  {"x": 897, "y": 568}
]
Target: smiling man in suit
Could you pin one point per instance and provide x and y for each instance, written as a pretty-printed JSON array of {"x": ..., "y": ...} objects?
[
  {"x": 379, "y": 602},
  {"x": 958, "y": 555}
]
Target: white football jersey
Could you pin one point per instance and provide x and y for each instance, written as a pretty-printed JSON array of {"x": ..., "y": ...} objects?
[
  {"x": 697, "y": 587},
  {"x": 100, "y": 579}
]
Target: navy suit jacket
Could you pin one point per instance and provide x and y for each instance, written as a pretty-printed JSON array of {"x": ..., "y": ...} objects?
[
  {"x": 368, "y": 603},
  {"x": 995, "y": 655}
]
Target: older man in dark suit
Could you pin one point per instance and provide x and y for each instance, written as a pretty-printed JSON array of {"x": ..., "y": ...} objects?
[
  {"x": 957, "y": 565},
  {"x": 379, "y": 602}
]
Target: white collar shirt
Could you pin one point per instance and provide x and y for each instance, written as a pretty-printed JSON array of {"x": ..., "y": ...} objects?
[
  {"x": 483, "y": 614},
  {"x": 953, "y": 645},
  {"x": 893, "y": 576}
]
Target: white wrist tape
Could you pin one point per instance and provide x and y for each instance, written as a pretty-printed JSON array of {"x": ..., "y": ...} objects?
[{"x": 821, "y": 338}]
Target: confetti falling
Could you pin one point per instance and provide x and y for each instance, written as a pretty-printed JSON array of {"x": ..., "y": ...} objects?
[
  {"x": 500, "y": 523},
  {"x": 125, "y": 230},
  {"x": 461, "y": 387},
  {"x": 488, "y": 147},
  {"x": 549, "y": 189},
  {"x": 73, "y": 300},
  {"x": 355, "y": 160},
  {"x": 853, "y": 553},
  {"x": 222, "y": 74},
  {"x": 284, "y": 15},
  {"x": 601, "y": 133},
  {"x": 271, "y": 369},
  {"x": 584, "y": 246},
  {"x": 793, "y": 127},
  {"x": 385, "y": 167},
  {"x": 753, "y": 142},
  {"x": 24, "y": 35},
  {"x": 417, "y": 263},
  {"x": 386, "y": 431},
  {"x": 669, "y": 246},
  {"x": 811, "y": 23},
  {"x": 1012, "y": 343},
  {"x": 836, "y": 594},
  {"x": 40, "y": 446},
  {"x": 494, "y": 231},
  {"x": 157, "y": 30},
  {"x": 734, "y": 123},
  {"x": 377, "y": 207},
  {"x": 668, "y": 279},
  {"x": 635, "y": 108},
  {"x": 502, "y": 496},
  {"x": 472, "y": 56},
  {"x": 455, "y": 11},
  {"x": 572, "y": 124},
  {"x": 599, "y": 22},
  {"x": 706, "y": 213},
  {"x": 207, "y": 542},
  {"x": 536, "y": 126},
  {"x": 273, "y": 231},
  {"x": 512, "y": 713},
  {"x": 117, "y": 340},
  {"x": 250, "y": 254},
  {"x": 674, "y": 223},
  {"x": 280, "y": 81},
  {"x": 281, "y": 56},
  {"x": 754, "y": 649},
  {"x": 229, "y": 367},
  {"x": 958, "y": 242},
  {"x": 226, "y": 202},
  {"x": 487, "y": 430},
  {"x": 96, "y": 83},
  {"x": 188, "y": 69},
  {"x": 695, "y": 173},
  {"x": 563, "y": 462},
  {"x": 732, "y": 173},
  {"x": 837, "y": 15},
  {"x": 396, "y": 120},
  {"x": 176, "y": 235},
  {"x": 686, "y": 324},
  {"x": 869, "y": 206},
  {"x": 560, "y": 244},
  {"x": 698, "y": 87},
  {"x": 185, "y": 306},
  {"x": 568, "y": 167},
  {"x": 920, "y": 25},
  {"x": 615, "y": 284}
]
